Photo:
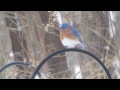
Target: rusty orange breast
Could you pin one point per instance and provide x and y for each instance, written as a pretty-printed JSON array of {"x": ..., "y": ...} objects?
[{"x": 67, "y": 34}]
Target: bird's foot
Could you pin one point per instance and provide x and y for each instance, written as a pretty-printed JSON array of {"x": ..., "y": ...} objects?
[{"x": 77, "y": 47}]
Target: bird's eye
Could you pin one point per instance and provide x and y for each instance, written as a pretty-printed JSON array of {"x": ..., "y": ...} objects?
[{"x": 64, "y": 27}]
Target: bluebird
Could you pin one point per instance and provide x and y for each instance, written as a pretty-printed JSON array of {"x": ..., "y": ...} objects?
[{"x": 69, "y": 36}]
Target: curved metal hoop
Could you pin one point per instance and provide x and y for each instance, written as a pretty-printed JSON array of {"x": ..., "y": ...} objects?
[
  {"x": 16, "y": 63},
  {"x": 13, "y": 63},
  {"x": 68, "y": 50}
]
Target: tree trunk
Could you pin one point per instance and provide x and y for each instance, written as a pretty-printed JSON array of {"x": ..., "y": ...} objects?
[
  {"x": 6, "y": 54},
  {"x": 57, "y": 66}
]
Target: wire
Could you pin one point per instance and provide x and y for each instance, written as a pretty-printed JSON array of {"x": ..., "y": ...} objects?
[{"x": 68, "y": 50}]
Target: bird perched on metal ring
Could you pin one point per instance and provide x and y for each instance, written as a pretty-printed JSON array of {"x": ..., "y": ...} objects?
[{"x": 70, "y": 37}]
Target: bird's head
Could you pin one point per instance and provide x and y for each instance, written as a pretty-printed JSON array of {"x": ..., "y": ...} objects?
[{"x": 65, "y": 26}]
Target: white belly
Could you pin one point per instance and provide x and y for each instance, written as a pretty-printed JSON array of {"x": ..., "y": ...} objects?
[{"x": 69, "y": 43}]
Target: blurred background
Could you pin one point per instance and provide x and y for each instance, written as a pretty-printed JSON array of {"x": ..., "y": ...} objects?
[{"x": 29, "y": 36}]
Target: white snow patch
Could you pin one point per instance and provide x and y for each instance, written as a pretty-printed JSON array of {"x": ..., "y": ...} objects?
[
  {"x": 37, "y": 77},
  {"x": 112, "y": 30},
  {"x": 43, "y": 76},
  {"x": 112, "y": 16},
  {"x": 116, "y": 64},
  {"x": 59, "y": 17},
  {"x": 78, "y": 72},
  {"x": 107, "y": 47},
  {"x": 11, "y": 54}
]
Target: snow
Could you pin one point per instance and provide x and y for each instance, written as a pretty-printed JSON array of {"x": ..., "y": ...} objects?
[
  {"x": 116, "y": 64},
  {"x": 77, "y": 72},
  {"x": 11, "y": 54},
  {"x": 107, "y": 47},
  {"x": 42, "y": 76},
  {"x": 112, "y": 16},
  {"x": 112, "y": 30},
  {"x": 37, "y": 77},
  {"x": 59, "y": 17}
]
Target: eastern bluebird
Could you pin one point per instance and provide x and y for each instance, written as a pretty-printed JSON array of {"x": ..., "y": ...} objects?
[{"x": 70, "y": 37}]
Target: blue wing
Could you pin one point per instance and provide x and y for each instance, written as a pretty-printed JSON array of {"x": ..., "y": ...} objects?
[{"x": 73, "y": 31}]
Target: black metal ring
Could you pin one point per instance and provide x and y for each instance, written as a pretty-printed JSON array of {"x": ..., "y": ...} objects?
[
  {"x": 13, "y": 63},
  {"x": 19, "y": 74},
  {"x": 17, "y": 63},
  {"x": 68, "y": 50}
]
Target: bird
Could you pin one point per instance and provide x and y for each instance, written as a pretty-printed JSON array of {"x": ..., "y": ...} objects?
[{"x": 69, "y": 37}]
